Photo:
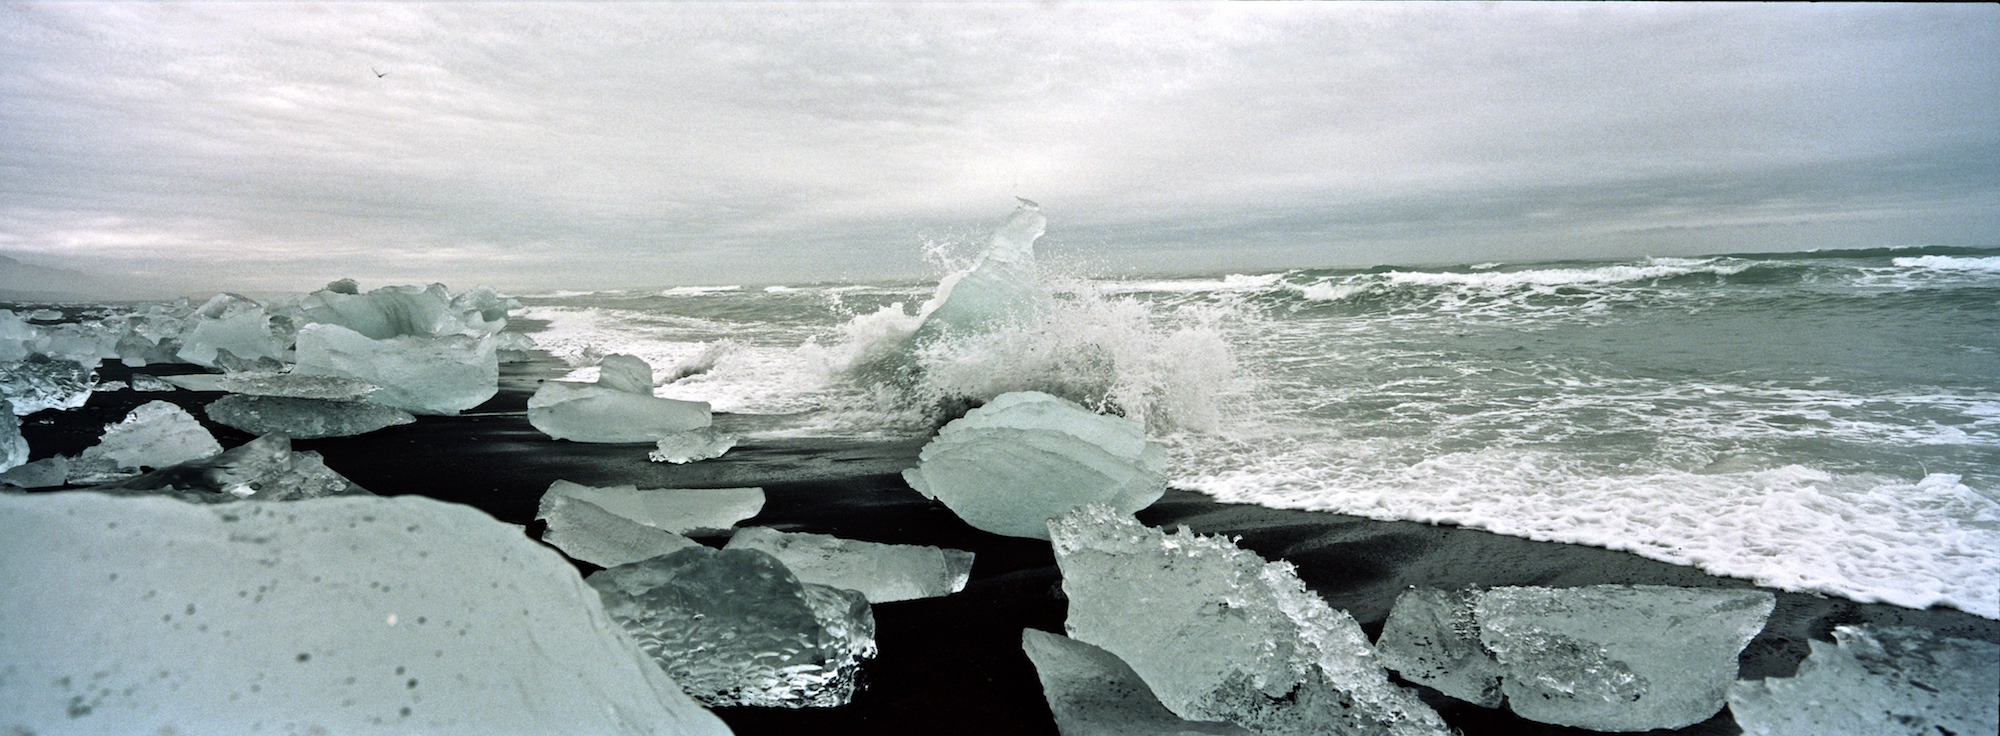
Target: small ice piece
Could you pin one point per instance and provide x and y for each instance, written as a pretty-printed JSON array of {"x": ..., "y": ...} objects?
[
  {"x": 110, "y": 387},
  {"x": 47, "y": 472},
  {"x": 13, "y": 447},
  {"x": 1221, "y": 635},
  {"x": 882, "y": 572},
  {"x": 157, "y": 434},
  {"x": 41, "y": 382},
  {"x": 195, "y": 382},
  {"x": 734, "y": 627},
  {"x": 342, "y": 615},
  {"x": 1619, "y": 657},
  {"x": 298, "y": 386},
  {"x": 586, "y": 532},
  {"x": 1094, "y": 693},
  {"x": 1887, "y": 680},
  {"x": 149, "y": 383},
  {"x": 17, "y": 337},
  {"x": 514, "y": 347},
  {"x": 304, "y": 419},
  {"x": 619, "y": 407},
  {"x": 1027, "y": 457},
  {"x": 1432, "y": 639},
  {"x": 678, "y": 510},
  {"x": 423, "y": 375},
  {"x": 690, "y": 446},
  {"x": 45, "y": 315},
  {"x": 233, "y": 323},
  {"x": 263, "y": 469}
]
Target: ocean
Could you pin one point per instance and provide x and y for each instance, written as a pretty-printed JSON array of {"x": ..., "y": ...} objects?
[{"x": 1823, "y": 422}]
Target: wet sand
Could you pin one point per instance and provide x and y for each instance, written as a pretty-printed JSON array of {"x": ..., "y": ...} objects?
[{"x": 954, "y": 664}]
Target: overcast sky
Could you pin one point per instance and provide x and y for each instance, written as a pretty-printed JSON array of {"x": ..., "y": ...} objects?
[{"x": 276, "y": 146}]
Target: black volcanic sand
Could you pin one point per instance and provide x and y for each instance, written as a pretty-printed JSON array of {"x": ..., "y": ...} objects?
[{"x": 954, "y": 664}]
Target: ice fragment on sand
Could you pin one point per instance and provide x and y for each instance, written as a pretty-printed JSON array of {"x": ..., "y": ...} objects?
[
  {"x": 514, "y": 347},
  {"x": 673, "y": 509},
  {"x": 1221, "y": 635},
  {"x": 234, "y": 324},
  {"x": 1878, "y": 680},
  {"x": 1093, "y": 693},
  {"x": 1432, "y": 639},
  {"x": 157, "y": 434},
  {"x": 13, "y": 447},
  {"x": 40, "y": 382},
  {"x": 882, "y": 572},
  {"x": 149, "y": 384},
  {"x": 734, "y": 627},
  {"x": 690, "y": 446},
  {"x": 619, "y": 407},
  {"x": 1027, "y": 457},
  {"x": 586, "y": 532},
  {"x": 304, "y": 418},
  {"x": 1619, "y": 657},
  {"x": 398, "y": 311},
  {"x": 424, "y": 375},
  {"x": 195, "y": 382},
  {"x": 296, "y": 385},
  {"x": 340, "y": 615},
  {"x": 47, "y": 472},
  {"x": 263, "y": 469}
]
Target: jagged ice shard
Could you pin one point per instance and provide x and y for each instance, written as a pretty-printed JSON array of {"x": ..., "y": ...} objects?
[
  {"x": 156, "y": 434},
  {"x": 1882, "y": 681},
  {"x": 587, "y": 532},
  {"x": 304, "y": 418},
  {"x": 398, "y": 311},
  {"x": 619, "y": 407},
  {"x": 1003, "y": 287},
  {"x": 1093, "y": 693},
  {"x": 40, "y": 382},
  {"x": 230, "y": 323},
  {"x": 154, "y": 616},
  {"x": 13, "y": 448},
  {"x": 691, "y": 446},
  {"x": 422, "y": 375},
  {"x": 1432, "y": 639},
  {"x": 673, "y": 509},
  {"x": 1027, "y": 457},
  {"x": 734, "y": 627},
  {"x": 263, "y": 469},
  {"x": 882, "y": 572},
  {"x": 1221, "y": 635}
]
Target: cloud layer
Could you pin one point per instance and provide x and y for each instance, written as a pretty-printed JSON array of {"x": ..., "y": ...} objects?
[{"x": 605, "y": 145}]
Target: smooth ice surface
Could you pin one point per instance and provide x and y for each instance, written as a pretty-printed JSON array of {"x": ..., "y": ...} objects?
[
  {"x": 13, "y": 447},
  {"x": 295, "y": 385},
  {"x": 40, "y": 382},
  {"x": 619, "y": 407},
  {"x": 47, "y": 472},
  {"x": 676, "y": 510},
  {"x": 1093, "y": 693},
  {"x": 1432, "y": 639},
  {"x": 1887, "y": 681},
  {"x": 1221, "y": 635},
  {"x": 586, "y": 532},
  {"x": 1003, "y": 287},
  {"x": 304, "y": 418},
  {"x": 423, "y": 375},
  {"x": 1027, "y": 457},
  {"x": 156, "y": 434},
  {"x": 195, "y": 382},
  {"x": 341, "y": 616},
  {"x": 734, "y": 627},
  {"x": 882, "y": 572},
  {"x": 397, "y": 311},
  {"x": 230, "y": 323},
  {"x": 1619, "y": 657},
  {"x": 263, "y": 469},
  {"x": 691, "y": 446}
]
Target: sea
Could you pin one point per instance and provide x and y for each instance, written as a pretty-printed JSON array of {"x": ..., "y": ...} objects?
[{"x": 1822, "y": 421}]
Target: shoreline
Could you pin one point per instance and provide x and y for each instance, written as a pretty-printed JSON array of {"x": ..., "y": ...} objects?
[{"x": 955, "y": 662}]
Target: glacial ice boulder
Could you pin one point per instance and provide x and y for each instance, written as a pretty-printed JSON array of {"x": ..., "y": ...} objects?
[
  {"x": 13, "y": 447},
  {"x": 47, "y": 472},
  {"x": 304, "y": 418},
  {"x": 17, "y": 337},
  {"x": 587, "y": 532},
  {"x": 677, "y": 510},
  {"x": 296, "y": 386},
  {"x": 882, "y": 572},
  {"x": 40, "y": 382},
  {"x": 1002, "y": 288},
  {"x": 693, "y": 445},
  {"x": 1221, "y": 635},
  {"x": 1093, "y": 693},
  {"x": 1886, "y": 681},
  {"x": 1027, "y": 457},
  {"x": 422, "y": 375},
  {"x": 399, "y": 311},
  {"x": 156, "y": 434},
  {"x": 263, "y": 469},
  {"x": 619, "y": 407},
  {"x": 1432, "y": 639},
  {"x": 734, "y": 627},
  {"x": 235, "y": 324},
  {"x": 342, "y": 615}
]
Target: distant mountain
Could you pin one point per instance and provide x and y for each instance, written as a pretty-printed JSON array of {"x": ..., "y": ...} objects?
[{"x": 26, "y": 282}]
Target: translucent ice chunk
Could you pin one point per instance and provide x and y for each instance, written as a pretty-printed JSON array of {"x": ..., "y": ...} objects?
[
  {"x": 1093, "y": 693},
  {"x": 149, "y": 384},
  {"x": 13, "y": 448},
  {"x": 40, "y": 382},
  {"x": 582, "y": 412},
  {"x": 263, "y": 469},
  {"x": 1003, "y": 287},
  {"x": 1221, "y": 635},
  {"x": 296, "y": 385},
  {"x": 343, "y": 616},
  {"x": 586, "y": 532},
  {"x": 882, "y": 572},
  {"x": 691, "y": 446},
  {"x": 734, "y": 627},
  {"x": 676, "y": 510},
  {"x": 233, "y": 323},
  {"x": 1619, "y": 657},
  {"x": 423, "y": 375},
  {"x": 626, "y": 373},
  {"x": 47, "y": 472},
  {"x": 304, "y": 418},
  {"x": 154, "y": 435},
  {"x": 195, "y": 382},
  {"x": 1887, "y": 680},
  {"x": 1026, "y": 457},
  {"x": 514, "y": 347},
  {"x": 17, "y": 337},
  {"x": 399, "y": 311},
  {"x": 1432, "y": 639}
]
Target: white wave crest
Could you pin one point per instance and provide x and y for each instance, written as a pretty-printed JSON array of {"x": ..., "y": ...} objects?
[{"x": 1987, "y": 264}]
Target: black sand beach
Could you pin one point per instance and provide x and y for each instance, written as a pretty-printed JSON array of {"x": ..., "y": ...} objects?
[{"x": 954, "y": 665}]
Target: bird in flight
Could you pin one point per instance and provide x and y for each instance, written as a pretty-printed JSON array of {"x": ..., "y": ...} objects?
[{"x": 378, "y": 74}]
